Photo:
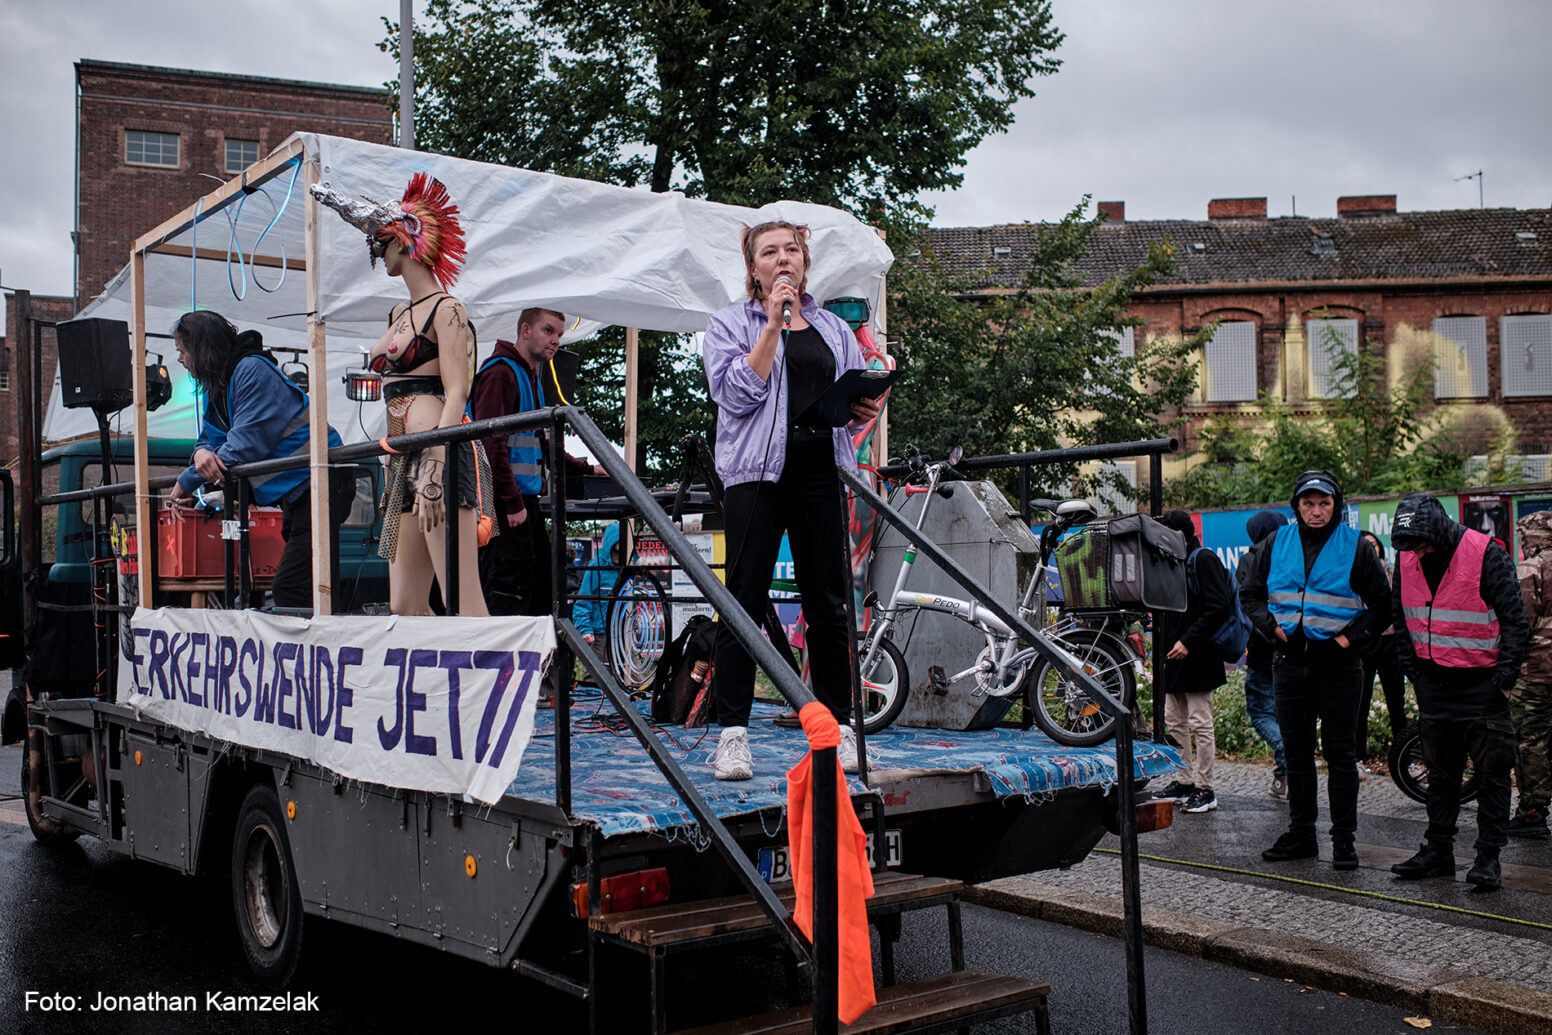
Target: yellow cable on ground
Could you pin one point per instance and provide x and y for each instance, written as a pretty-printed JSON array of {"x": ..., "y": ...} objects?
[{"x": 1338, "y": 887}]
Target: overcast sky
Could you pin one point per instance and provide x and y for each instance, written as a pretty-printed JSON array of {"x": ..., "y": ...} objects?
[{"x": 1160, "y": 103}]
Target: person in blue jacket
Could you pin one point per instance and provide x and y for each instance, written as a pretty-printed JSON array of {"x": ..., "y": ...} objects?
[
  {"x": 254, "y": 412},
  {"x": 590, "y": 612}
]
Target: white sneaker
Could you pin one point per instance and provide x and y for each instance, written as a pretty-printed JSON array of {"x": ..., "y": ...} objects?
[
  {"x": 732, "y": 761},
  {"x": 846, "y": 752}
]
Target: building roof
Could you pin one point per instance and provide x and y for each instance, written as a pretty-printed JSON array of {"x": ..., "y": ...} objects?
[
  {"x": 375, "y": 93},
  {"x": 1403, "y": 247}
]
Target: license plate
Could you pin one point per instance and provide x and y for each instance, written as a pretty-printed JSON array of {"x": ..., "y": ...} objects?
[{"x": 775, "y": 866}]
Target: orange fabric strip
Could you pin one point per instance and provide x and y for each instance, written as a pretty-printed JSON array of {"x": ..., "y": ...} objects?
[{"x": 853, "y": 879}]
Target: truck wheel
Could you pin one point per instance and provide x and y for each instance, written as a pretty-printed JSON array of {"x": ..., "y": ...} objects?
[
  {"x": 47, "y": 832},
  {"x": 266, "y": 897}
]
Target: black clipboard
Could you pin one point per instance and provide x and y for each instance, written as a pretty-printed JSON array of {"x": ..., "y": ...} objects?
[{"x": 833, "y": 408}]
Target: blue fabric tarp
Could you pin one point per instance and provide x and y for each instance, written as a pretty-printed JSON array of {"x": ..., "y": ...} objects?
[{"x": 616, "y": 785}]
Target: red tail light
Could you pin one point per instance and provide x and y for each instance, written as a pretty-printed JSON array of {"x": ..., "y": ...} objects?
[
  {"x": 1154, "y": 815},
  {"x": 623, "y": 892}
]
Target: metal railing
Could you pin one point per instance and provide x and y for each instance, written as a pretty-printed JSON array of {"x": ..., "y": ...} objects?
[
  {"x": 820, "y": 955},
  {"x": 1126, "y": 789}
]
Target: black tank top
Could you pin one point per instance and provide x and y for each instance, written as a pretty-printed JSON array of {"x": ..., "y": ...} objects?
[{"x": 810, "y": 368}]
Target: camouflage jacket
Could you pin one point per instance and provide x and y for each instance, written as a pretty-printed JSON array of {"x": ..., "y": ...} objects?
[{"x": 1535, "y": 575}]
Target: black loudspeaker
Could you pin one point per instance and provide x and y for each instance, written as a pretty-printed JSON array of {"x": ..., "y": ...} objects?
[
  {"x": 94, "y": 364},
  {"x": 563, "y": 369}
]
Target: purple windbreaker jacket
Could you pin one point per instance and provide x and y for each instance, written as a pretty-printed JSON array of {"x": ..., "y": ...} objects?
[{"x": 747, "y": 406}]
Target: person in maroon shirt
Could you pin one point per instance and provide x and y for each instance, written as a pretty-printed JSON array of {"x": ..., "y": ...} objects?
[{"x": 515, "y": 569}]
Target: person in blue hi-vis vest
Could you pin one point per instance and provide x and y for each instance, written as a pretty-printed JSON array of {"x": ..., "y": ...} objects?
[
  {"x": 515, "y": 568},
  {"x": 254, "y": 412},
  {"x": 1319, "y": 596}
]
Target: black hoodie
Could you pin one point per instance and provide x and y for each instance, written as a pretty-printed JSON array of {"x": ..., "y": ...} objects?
[
  {"x": 1367, "y": 579},
  {"x": 1208, "y": 606},
  {"x": 1459, "y": 692}
]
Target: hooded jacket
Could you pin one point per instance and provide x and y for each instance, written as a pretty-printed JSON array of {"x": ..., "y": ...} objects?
[
  {"x": 592, "y": 616},
  {"x": 1458, "y": 692},
  {"x": 1367, "y": 578},
  {"x": 495, "y": 393},
  {"x": 1262, "y": 525},
  {"x": 1207, "y": 607},
  {"x": 1535, "y": 576}
]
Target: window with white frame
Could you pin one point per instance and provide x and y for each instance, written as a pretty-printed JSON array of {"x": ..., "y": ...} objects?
[
  {"x": 240, "y": 154},
  {"x": 1460, "y": 357},
  {"x": 1125, "y": 340},
  {"x": 1525, "y": 345},
  {"x": 1110, "y": 497},
  {"x": 1326, "y": 341},
  {"x": 142, "y": 147},
  {"x": 1230, "y": 367},
  {"x": 5, "y": 380}
]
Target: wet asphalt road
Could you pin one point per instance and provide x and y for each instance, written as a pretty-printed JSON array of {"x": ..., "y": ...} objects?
[{"x": 83, "y": 921}]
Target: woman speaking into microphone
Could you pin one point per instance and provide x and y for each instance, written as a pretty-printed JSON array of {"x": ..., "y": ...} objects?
[{"x": 766, "y": 360}]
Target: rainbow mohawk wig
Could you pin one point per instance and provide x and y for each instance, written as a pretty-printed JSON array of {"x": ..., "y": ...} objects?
[{"x": 429, "y": 231}]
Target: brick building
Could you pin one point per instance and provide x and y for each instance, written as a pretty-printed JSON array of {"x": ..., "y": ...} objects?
[
  {"x": 1471, "y": 288},
  {"x": 45, "y": 309},
  {"x": 151, "y": 140}
]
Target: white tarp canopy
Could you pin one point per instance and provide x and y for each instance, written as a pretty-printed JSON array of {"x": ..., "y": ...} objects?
[{"x": 601, "y": 254}]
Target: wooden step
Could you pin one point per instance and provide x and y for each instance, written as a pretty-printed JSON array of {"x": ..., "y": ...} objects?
[
  {"x": 936, "y": 1004},
  {"x": 674, "y": 922}
]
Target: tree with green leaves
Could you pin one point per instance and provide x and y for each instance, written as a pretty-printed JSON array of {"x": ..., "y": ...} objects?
[
  {"x": 1376, "y": 436},
  {"x": 860, "y": 105},
  {"x": 1037, "y": 367}
]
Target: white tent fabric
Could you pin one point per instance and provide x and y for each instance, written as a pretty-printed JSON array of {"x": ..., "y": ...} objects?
[{"x": 601, "y": 254}]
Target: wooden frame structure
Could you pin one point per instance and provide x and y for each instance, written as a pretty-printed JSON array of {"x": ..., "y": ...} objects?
[{"x": 157, "y": 242}]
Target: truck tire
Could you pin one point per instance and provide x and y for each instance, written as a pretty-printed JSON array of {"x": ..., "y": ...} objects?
[
  {"x": 266, "y": 896},
  {"x": 47, "y": 832}
]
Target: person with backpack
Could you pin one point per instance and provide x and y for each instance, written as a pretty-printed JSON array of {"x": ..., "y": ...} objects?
[
  {"x": 1193, "y": 667},
  {"x": 254, "y": 412},
  {"x": 1260, "y": 704},
  {"x": 1320, "y": 596}
]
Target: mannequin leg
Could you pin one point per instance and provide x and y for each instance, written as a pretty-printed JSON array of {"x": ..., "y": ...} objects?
[
  {"x": 410, "y": 574},
  {"x": 471, "y": 600}
]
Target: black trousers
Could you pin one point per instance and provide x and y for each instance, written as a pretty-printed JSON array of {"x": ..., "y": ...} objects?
[
  {"x": 1489, "y": 740},
  {"x": 1383, "y": 663},
  {"x": 293, "y": 582},
  {"x": 1327, "y": 694},
  {"x": 515, "y": 568},
  {"x": 806, "y": 504}
]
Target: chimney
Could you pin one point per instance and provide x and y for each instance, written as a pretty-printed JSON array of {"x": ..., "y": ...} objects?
[
  {"x": 1236, "y": 208},
  {"x": 1113, "y": 211},
  {"x": 1365, "y": 206}
]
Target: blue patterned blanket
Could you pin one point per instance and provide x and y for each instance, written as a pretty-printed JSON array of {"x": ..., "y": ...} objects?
[{"x": 615, "y": 784}]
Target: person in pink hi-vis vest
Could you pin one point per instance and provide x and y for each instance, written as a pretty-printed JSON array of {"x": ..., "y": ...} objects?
[{"x": 1460, "y": 637}]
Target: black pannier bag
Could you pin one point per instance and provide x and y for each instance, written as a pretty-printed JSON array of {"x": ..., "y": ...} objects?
[
  {"x": 683, "y": 673},
  {"x": 1130, "y": 562}
]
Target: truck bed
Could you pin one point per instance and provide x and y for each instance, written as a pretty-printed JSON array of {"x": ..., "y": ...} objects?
[{"x": 616, "y": 787}]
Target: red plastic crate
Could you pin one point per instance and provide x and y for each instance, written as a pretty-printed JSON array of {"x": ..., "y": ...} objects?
[{"x": 189, "y": 543}]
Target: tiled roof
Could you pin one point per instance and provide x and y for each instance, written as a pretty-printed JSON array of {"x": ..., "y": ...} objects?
[{"x": 1406, "y": 246}]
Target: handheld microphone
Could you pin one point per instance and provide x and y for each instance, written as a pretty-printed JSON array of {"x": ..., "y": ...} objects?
[{"x": 786, "y": 304}]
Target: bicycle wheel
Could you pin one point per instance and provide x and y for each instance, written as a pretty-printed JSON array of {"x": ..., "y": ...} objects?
[
  {"x": 885, "y": 686},
  {"x": 1410, "y": 772},
  {"x": 1062, "y": 710},
  {"x": 639, "y": 618}
]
